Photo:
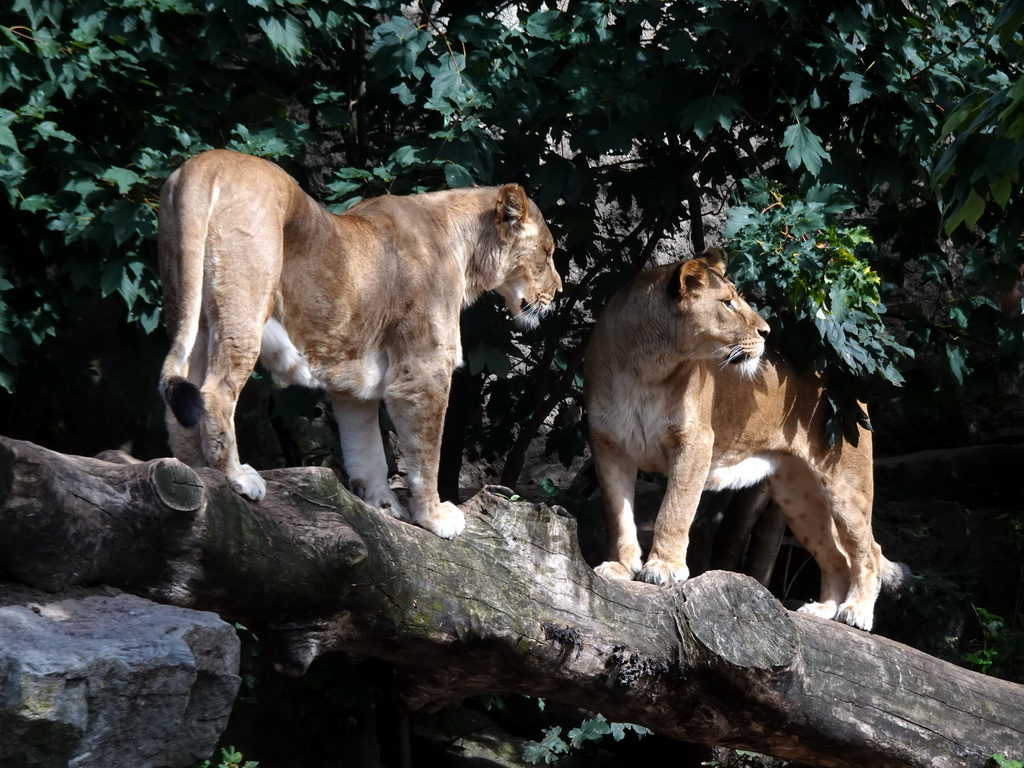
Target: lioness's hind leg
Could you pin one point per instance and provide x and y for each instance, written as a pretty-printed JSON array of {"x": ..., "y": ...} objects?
[
  {"x": 851, "y": 512},
  {"x": 232, "y": 356},
  {"x": 220, "y": 445},
  {"x": 185, "y": 441},
  {"x": 802, "y": 499},
  {"x": 363, "y": 452}
]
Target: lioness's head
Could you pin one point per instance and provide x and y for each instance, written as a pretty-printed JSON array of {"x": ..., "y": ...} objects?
[
  {"x": 531, "y": 282},
  {"x": 717, "y": 322}
]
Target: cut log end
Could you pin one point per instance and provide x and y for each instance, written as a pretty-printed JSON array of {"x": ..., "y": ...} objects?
[
  {"x": 348, "y": 550},
  {"x": 739, "y": 621},
  {"x": 176, "y": 485}
]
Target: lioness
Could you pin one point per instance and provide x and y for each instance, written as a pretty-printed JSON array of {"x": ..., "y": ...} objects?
[
  {"x": 675, "y": 382},
  {"x": 364, "y": 305}
]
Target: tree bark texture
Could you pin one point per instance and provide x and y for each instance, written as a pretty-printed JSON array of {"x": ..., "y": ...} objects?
[{"x": 509, "y": 606}]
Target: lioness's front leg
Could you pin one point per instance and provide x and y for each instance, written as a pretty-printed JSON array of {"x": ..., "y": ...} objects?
[
  {"x": 688, "y": 471},
  {"x": 417, "y": 409},
  {"x": 616, "y": 474}
]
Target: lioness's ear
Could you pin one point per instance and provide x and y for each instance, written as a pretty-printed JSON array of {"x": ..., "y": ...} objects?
[
  {"x": 714, "y": 258},
  {"x": 513, "y": 207},
  {"x": 689, "y": 276}
]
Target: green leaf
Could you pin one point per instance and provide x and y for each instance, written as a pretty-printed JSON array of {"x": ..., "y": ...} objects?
[
  {"x": 286, "y": 36},
  {"x": 404, "y": 94},
  {"x": 397, "y": 46},
  {"x": 149, "y": 320},
  {"x": 973, "y": 208},
  {"x": 703, "y": 114},
  {"x": 545, "y": 24},
  {"x": 1001, "y": 190},
  {"x": 49, "y": 130},
  {"x": 124, "y": 179},
  {"x": 740, "y": 217},
  {"x": 456, "y": 176},
  {"x": 7, "y": 138},
  {"x": 534, "y": 753},
  {"x": 110, "y": 281},
  {"x": 956, "y": 358},
  {"x": 964, "y": 111},
  {"x": 858, "y": 90},
  {"x": 591, "y": 729},
  {"x": 10, "y": 349},
  {"x": 803, "y": 147},
  {"x": 16, "y": 39},
  {"x": 127, "y": 220}
]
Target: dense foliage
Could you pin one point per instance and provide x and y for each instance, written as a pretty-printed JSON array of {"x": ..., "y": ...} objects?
[
  {"x": 631, "y": 123},
  {"x": 982, "y": 164},
  {"x": 821, "y": 297}
]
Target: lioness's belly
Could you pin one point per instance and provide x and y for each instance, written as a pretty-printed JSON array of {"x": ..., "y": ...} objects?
[
  {"x": 362, "y": 377},
  {"x": 725, "y": 475}
]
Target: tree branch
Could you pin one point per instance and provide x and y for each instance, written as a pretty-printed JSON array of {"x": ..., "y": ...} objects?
[{"x": 509, "y": 606}]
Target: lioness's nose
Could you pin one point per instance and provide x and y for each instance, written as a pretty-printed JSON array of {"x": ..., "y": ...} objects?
[{"x": 764, "y": 332}]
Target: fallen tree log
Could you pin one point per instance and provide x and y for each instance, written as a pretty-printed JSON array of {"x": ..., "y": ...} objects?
[{"x": 509, "y": 606}]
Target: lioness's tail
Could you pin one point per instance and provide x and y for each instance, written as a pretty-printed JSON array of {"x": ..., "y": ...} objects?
[
  {"x": 895, "y": 576},
  {"x": 184, "y": 398},
  {"x": 183, "y": 223}
]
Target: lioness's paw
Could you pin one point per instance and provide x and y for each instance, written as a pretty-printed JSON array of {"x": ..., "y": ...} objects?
[
  {"x": 388, "y": 502},
  {"x": 826, "y": 610},
  {"x": 856, "y": 615},
  {"x": 446, "y": 520},
  {"x": 658, "y": 571},
  {"x": 383, "y": 498},
  {"x": 614, "y": 570},
  {"x": 248, "y": 483}
]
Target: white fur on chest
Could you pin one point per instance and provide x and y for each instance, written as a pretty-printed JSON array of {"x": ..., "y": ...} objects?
[
  {"x": 363, "y": 378},
  {"x": 641, "y": 427}
]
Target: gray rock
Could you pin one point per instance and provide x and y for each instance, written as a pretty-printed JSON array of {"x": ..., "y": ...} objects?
[{"x": 110, "y": 680}]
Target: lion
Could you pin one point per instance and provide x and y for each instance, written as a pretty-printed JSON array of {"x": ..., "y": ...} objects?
[
  {"x": 676, "y": 381},
  {"x": 364, "y": 305}
]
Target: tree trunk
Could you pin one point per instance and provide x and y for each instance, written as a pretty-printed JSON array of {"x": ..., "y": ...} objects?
[{"x": 509, "y": 606}]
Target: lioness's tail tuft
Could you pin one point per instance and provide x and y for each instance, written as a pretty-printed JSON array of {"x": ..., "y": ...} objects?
[
  {"x": 895, "y": 576},
  {"x": 185, "y": 400}
]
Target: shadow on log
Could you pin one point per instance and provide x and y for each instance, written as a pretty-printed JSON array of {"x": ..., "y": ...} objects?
[{"x": 509, "y": 606}]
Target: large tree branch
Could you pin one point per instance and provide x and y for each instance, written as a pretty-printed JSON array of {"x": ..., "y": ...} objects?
[{"x": 509, "y": 606}]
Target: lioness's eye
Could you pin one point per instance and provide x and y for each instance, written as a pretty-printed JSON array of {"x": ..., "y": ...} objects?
[{"x": 729, "y": 305}]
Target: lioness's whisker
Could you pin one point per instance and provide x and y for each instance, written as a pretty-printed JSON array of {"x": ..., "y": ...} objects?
[{"x": 537, "y": 308}]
